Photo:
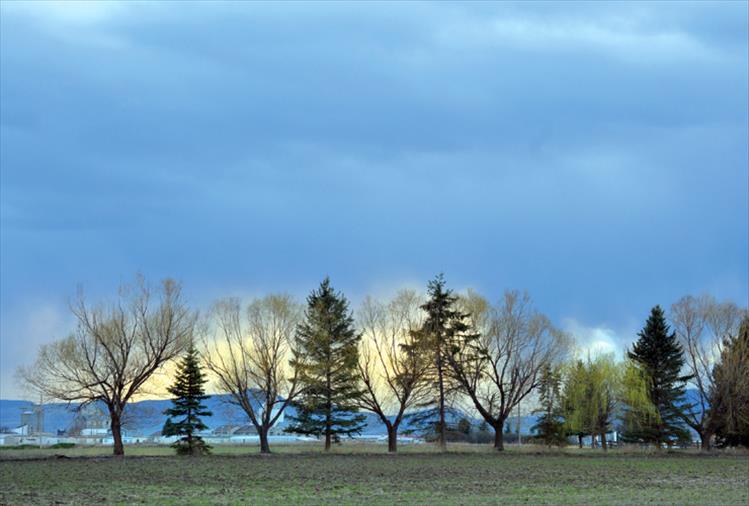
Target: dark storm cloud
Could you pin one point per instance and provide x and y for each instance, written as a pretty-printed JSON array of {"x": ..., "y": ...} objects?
[{"x": 594, "y": 153}]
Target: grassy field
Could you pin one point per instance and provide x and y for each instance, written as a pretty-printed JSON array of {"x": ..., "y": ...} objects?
[{"x": 365, "y": 474}]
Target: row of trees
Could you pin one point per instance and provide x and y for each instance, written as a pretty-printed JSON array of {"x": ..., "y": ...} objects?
[
  {"x": 410, "y": 358},
  {"x": 646, "y": 393},
  {"x": 421, "y": 358}
]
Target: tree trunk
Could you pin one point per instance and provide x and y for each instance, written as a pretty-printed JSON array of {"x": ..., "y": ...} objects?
[
  {"x": 441, "y": 436},
  {"x": 328, "y": 411},
  {"x": 705, "y": 441},
  {"x": 580, "y": 440},
  {"x": 499, "y": 437},
  {"x": 392, "y": 439},
  {"x": 264, "y": 446},
  {"x": 604, "y": 443},
  {"x": 116, "y": 426}
]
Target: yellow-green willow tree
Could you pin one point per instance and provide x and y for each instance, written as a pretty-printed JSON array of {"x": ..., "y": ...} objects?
[{"x": 595, "y": 389}]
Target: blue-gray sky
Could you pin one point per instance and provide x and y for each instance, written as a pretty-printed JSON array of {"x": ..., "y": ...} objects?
[{"x": 595, "y": 154}]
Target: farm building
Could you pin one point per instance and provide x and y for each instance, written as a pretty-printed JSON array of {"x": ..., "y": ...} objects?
[{"x": 90, "y": 421}]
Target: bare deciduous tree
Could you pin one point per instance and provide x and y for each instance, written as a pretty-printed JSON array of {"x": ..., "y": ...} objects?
[
  {"x": 502, "y": 367},
  {"x": 249, "y": 355},
  {"x": 115, "y": 350},
  {"x": 391, "y": 363},
  {"x": 701, "y": 324}
]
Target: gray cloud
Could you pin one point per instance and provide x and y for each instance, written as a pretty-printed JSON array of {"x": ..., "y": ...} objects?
[{"x": 594, "y": 153}]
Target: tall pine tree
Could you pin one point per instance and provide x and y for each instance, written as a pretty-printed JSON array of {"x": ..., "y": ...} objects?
[
  {"x": 549, "y": 426},
  {"x": 444, "y": 334},
  {"x": 660, "y": 357},
  {"x": 187, "y": 408},
  {"x": 325, "y": 361}
]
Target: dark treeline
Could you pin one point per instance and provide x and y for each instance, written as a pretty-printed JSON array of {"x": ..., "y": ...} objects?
[{"x": 415, "y": 357}]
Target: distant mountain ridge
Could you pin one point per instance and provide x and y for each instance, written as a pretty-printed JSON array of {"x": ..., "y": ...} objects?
[
  {"x": 141, "y": 418},
  {"x": 146, "y": 417}
]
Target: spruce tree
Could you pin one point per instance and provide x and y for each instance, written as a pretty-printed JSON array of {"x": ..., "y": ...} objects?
[
  {"x": 168, "y": 429},
  {"x": 325, "y": 362},
  {"x": 660, "y": 357},
  {"x": 187, "y": 408},
  {"x": 549, "y": 426},
  {"x": 444, "y": 334},
  {"x": 729, "y": 399}
]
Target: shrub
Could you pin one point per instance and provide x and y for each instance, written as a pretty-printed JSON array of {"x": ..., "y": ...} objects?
[{"x": 63, "y": 445}]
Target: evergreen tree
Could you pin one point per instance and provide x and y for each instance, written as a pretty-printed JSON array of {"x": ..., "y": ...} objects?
[
  {"x": 464, "y": 426},
  {"x": 445, "y": 333},
  {"x": 660, "y": 357},
  {"x": 550, "y": 425},
  {"x": 325, "y": 361},
  {"x": 168, "y": 429},
  {"x": 729, "y": 401},
  {"x": 187, "y": 408}
]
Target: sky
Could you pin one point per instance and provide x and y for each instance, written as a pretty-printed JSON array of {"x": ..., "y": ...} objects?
[{"x": 594, "y": 154}]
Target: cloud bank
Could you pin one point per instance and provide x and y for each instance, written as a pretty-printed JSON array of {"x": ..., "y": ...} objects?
[{"x": 594, "y": 154}]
